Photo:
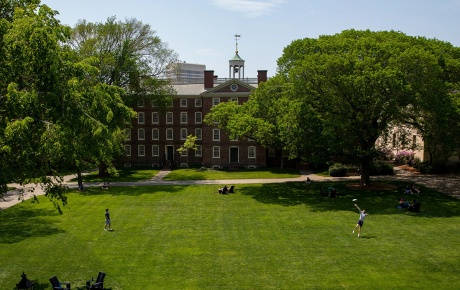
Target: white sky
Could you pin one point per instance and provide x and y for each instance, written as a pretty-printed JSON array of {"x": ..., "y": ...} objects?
[{"x": 202, "y": 31}]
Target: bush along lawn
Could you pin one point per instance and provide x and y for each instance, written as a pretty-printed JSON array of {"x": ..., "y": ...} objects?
[{"x": 264, "y": 236}]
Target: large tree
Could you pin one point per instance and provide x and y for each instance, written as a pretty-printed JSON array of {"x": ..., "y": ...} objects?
[
  {"x": 55, "y": 113},
  {"x": 350, "y": 87}
]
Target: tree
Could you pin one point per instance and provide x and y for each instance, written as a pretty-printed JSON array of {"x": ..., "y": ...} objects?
[
  {"x": 189, "y": 144},
  {"x": 55, "y": 114},
  {"x": 350, "y": 87},
  {"x": 130, "y": 55}
]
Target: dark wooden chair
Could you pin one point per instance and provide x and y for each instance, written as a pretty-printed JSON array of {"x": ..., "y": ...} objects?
[
  {"x": 99, "y": 284},
  {"x": 232, "y": 189},
  {"x": 58, "y": 285}
]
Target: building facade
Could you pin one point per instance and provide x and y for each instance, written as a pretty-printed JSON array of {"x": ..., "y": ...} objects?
[{"x": 156, "y": 135}]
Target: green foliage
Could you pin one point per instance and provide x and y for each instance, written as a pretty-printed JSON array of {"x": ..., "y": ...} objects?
[
  {"x": 188, "y": 237},
  {"x": 380, "y": 167},
  {"x": 212, "y": 174},
  {"x": 338, "y": 170}
]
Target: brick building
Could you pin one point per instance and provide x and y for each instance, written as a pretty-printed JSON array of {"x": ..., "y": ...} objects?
[{"x": 155, "y": 136}]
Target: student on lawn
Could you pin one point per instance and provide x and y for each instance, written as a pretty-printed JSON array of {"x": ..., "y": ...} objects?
[
  {"x": 359, "y": 225},
  {"x": 107, "y": 220}
]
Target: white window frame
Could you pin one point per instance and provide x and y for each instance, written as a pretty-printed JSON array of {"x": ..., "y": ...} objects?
[
  {"x": 198, "y": 151},
  {"x": 141, "y": 134},
  {"x": 198, "y": 133},
  {"x": 127, "y": 150},
  {"x": 216, "y": 152},
  {"x": 183, "y": 133},
  {"x": 198, "y": 117},
  {"x": 234, "y": 99},
  {"x": 215, "y": 101},
  {"x": 198, "y": 103},
  {"x": 141, "y": 150},
  {"x": 169, "y": 117},
  {"x": 215, "y": 133},
  {"x": 183, "y": 117},
  {"x": 184, "y": 153},
  {"x": 155, "y": 149},
  {"x": 252, "y": 152},
  {"x": 155, "y": 134},
  {"x": 169, "y": 131},
  {"x": 183, "y": 103},
  {"x": 128, "y": 134},
  {"x": 140, "y": 118},
  {"x": 155, "y": 118}
]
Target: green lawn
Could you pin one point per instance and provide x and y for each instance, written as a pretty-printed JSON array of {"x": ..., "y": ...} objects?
[
  {"x": 211, "y": 174},
  {"x": 124, "y": 175},
  {"x": 265, "y": 236}
]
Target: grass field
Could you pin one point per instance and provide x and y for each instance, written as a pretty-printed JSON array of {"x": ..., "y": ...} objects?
[
  {"x": 211, "y": 174},
  {"x": 272, "y": 236}
]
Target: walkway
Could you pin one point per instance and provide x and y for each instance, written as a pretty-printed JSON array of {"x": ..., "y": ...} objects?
[{"x": 448, "y": 184}]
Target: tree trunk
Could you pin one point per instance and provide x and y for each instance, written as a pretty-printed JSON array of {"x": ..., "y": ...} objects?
[
  {"x": 103, "y": 170},
  {"x": 366, "y": 170}
]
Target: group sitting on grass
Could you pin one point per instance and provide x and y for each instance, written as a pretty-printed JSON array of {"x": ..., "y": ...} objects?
[
  {"x": 415, "y": 206},
  {"x": 225, "y": 189},
  {"x": 411, "y": 189}
]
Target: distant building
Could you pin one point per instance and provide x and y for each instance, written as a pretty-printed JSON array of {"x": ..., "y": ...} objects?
[{"x": 182, "y": 72}]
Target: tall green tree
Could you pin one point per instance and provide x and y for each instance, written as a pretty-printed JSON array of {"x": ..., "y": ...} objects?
[
  {"x": 353, "y": 86},
  {"x": 56, "y": 115}
]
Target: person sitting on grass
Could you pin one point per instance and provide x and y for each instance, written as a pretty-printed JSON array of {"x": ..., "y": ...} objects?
[{"x": 223, "y": 190}]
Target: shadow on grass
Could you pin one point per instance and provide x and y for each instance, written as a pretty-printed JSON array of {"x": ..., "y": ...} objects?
[
  {"x": 19, "y": 224},
  {"x": 434, "y": 204}
]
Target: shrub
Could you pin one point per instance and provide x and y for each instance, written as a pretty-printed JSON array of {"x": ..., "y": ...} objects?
[
  {"x": 385, "y": 154},
  {"x": 405, "y": 157},
  {"x": 338, "y": 170},
  {"x": 428, "y": 168},
  {"x": 381, "y": 168}
]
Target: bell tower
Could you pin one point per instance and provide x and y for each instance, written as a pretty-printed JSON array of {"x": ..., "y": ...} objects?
[{"x": 236, "y": 64}]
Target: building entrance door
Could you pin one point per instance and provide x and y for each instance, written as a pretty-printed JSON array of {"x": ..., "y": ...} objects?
[
  {"x": 170, "y": 153},
  {"x": 234, "y": 155}
]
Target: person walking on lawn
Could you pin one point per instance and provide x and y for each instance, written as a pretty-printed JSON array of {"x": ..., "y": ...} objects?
[
  {"x": 359, "y": 225},
  {"x": 107, "y": 220}
]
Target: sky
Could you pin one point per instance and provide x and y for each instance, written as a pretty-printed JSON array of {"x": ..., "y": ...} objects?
[{"x": 203, "y": 31}]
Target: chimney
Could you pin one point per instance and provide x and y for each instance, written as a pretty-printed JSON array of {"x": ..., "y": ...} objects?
[
  {"x": 208, "y": 79},
  {"x": 261, "y": 76}
]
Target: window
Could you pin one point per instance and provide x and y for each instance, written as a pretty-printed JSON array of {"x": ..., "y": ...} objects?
[
  {"x": 170, "y": 103},
  {"x": 140, "y": 118},
  {"x": 140, "y": 103},
  {"x": 233, "y": 99},
  {"x": 169, "y": 118},
  {"x": 183, "y": 117},
  {"x": 216, "y": 152},
  {"x": 198, "y": 150},
  {"x": 141, "y": 150},
  {"x": 141, "y": 134},
  {"x": 394, "y": 140},
  {"x": 252, "y": 152},
  {"x": 414, "y": 140},
  {"x": 155, "y": 150},
  {"x": 183, "y": 133},
  {"x": 198, "y": 117},
  {"x": 198, "y": 103},
  {"x": 183, "y": 102},
  {"x": 216, "y": 135},
  {"x": 128, "y": 134},
  {"x": 198, "y": 133},
  {"x": 184, "y": 153},
  {"x": 128, "y": 150},
  {"x": 215, "y": 101},
  {"x": 155, "y": 134},
  {"x": 155, "y": 118},
  {"x": 169, "y": 134}
]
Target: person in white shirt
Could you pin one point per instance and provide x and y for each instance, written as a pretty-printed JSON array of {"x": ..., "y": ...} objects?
[{"x": 359, "y": 225}]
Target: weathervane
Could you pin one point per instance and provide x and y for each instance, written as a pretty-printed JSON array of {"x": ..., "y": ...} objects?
[{"x": 236, "y": 41}]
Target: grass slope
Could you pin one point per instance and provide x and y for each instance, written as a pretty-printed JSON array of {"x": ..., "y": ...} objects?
[{"x": 272, "y": 236}]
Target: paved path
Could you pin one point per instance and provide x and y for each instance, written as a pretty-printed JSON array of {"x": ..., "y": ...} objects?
[{"x": 448, "y": 184}]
